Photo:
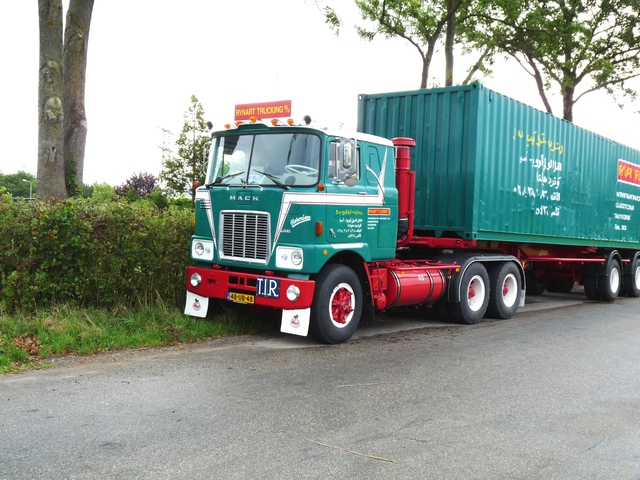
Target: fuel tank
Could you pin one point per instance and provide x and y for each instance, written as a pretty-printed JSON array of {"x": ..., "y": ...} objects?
[{"x": 415, "y": 284}]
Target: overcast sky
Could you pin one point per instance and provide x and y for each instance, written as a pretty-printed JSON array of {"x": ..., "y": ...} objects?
[{"x": 147, "y": 57}]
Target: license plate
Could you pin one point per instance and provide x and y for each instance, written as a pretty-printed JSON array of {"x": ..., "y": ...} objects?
[{"x": 240, "y": 297}]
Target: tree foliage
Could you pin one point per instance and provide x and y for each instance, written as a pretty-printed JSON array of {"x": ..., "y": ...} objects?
[
  {"x": 425, "y": 24},
  {"x": 99, "y": 192},
  {"x": 20, "y": 184},
  {"x": 61, "y": 114},
  {"x": 183, "y": 171},
  {"x": 141, "y": 183},
  {"x": 572, "y": 46}
]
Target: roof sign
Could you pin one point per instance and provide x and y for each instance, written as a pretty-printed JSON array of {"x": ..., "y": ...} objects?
[{"x": 279, "y": 109}]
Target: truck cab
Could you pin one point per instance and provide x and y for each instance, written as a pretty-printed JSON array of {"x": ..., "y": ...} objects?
[{"x": 288, "y": 219}]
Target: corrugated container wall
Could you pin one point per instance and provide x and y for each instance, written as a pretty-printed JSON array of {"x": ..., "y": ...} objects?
[{"x": 491, "y": 168}]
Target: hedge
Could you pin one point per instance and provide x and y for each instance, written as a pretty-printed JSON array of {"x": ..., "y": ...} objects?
[{"x": 92, "y": 254}]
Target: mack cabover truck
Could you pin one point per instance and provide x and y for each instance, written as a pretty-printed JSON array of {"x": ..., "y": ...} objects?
[{"x": 459, "y": 198}]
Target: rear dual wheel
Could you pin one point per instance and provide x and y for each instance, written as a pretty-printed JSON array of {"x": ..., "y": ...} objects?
[
  {"x": 494, "y": 292},
  {"x": 505, "y": 285},
  {"x": 609, "y": 286},
  {"x": 560, "y": 285},
  {"x": 474, "y": 296},
  {"x": 604, "y": 287},
  {"x": 534, "y": 285},
  {"x": 631, "y": 285}
]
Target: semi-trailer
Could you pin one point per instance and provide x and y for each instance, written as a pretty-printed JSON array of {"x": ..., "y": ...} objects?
[{"x": 458, "y": 197}]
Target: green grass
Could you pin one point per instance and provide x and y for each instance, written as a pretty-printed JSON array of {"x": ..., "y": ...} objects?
[{"x": 26, "y": 339}]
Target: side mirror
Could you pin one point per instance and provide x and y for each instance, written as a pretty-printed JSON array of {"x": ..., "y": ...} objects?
[
  {"x": 351, "y": 181},
  {"x": 346, "y": 152},
  {"x": 347, "y": 160}
]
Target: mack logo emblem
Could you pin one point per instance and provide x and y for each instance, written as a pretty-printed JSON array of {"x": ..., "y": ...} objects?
[{"x": 243, "y": 198}]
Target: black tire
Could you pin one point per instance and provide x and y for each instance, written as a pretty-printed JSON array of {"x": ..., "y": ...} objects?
[
  {"x": 534, "y": 286},
  {"x": 505, "y": 285},
  {"x": 609, "y": 286},
  {"x": 590, "y": 283},
  {"x": 631, "y": 285},
  {"x": 474, "y": 296},
  {"x": 560, "y": 285},
  {"x": 337, "y": 305}
]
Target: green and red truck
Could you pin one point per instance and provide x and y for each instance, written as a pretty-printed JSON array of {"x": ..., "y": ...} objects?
[{"x": 458, "y": 197}]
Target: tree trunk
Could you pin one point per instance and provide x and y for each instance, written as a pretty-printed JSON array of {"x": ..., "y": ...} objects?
[
  {"x": 425, "y": 73},
  {"x": 426, "y": 62},
  {"x": 448, "y": 43},
  {"x": 76, "y": 40},
  {"x": 476, "y": 66},
  {"x": 567, "y": 103},
  {"x": 50, "y": 181},
  {"x": 539, "y": 82}
]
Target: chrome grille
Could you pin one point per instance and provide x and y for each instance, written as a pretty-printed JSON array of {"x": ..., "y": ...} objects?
[{"x": 244, "y": 236}]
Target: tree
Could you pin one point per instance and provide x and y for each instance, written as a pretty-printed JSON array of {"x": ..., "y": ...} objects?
[
  {"x": 422, "y": 23},
  {"x": 20, "y": 184},
  {"x": 74, "y": 59},
  {"x": 51, "y": 178},
  {"x": 61, "y": 115},
  {"x": 571, "y": 46},
  {"x": 141, "y": 183},
  {"x": 182, "y": 173},
  {"x": 103, "y": 192}
]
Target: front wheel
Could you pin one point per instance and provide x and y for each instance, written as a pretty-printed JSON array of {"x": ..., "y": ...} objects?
[
  {"x": 474, "y": 296},
  {"x": 337, "y": 305},
  {"x": 504, "y": 288}
]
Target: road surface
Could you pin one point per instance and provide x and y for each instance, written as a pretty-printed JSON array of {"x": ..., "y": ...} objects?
[{"x": 553, "y": 393}]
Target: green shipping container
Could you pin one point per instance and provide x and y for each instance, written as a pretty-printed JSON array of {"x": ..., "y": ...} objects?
[{"x": 491, "y": 168}]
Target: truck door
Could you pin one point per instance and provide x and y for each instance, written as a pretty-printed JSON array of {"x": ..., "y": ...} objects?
[
  {"x": 346, "y": 194},
  {"x": 368, "y": 200}
]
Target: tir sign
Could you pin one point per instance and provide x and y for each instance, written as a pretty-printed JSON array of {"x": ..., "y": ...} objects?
[{"x": 268, "y": 287}]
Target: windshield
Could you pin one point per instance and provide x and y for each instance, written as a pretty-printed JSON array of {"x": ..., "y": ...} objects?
[{"x": 267, "y": 159}]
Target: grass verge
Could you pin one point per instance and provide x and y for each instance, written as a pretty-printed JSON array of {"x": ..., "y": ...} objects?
[{"x": 29, "y": 338}]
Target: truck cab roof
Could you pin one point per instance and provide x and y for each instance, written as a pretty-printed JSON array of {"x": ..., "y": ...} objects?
[{"x": 260, "y": 126}]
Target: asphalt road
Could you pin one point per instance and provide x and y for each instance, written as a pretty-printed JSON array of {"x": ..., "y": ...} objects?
[{"x": 553, "y": 393}]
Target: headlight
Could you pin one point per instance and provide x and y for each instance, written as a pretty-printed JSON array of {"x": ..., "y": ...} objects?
[
  {"x": 202, "y": 250},
  {"x": 291, "y": 258},
  {"x": 296, "y": 257},
  {"x": 195, "y": 280},
  {"x": 293, "y": 293}
]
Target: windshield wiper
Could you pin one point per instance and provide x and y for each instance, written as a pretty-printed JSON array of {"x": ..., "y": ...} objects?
[
  {"x": 218, "y": 181},
  {"x": 274, "y": 179}
]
